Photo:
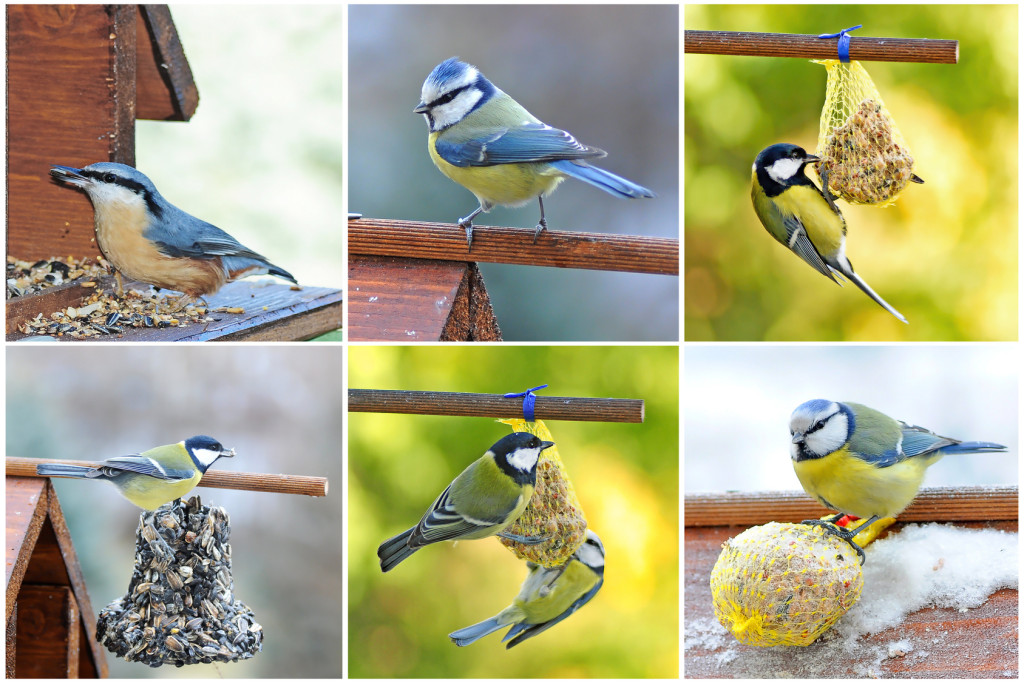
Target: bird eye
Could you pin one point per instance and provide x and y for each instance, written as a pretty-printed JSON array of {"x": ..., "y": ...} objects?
[{"x": 109, "y": 178}]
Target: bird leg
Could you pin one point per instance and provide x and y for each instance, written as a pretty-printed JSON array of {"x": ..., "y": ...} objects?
[
  {"x": 542, "y": 225},
  {"x": 467, "y": 223},
  {"x": 525, "y": 540},
  {"x": 830, "y": 527},
  {"x": 120, "y": 284}
]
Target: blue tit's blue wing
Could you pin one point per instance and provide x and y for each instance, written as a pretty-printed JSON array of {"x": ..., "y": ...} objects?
[
  {"x": 921, "y": 441},
  {"x": 531, "y": 142},
  {"x": 141, "y": 464},
  {"x": 520, "y": 632}
]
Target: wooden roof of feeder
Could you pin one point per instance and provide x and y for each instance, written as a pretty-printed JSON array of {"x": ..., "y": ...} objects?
[{"x": 50, "y": 620}]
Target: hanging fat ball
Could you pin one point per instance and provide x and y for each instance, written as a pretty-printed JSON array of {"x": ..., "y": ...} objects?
[
  {"x": 784, "y": 584},
  {"x": 554, "y": 510},
  {"x": 180, "y": 606}
]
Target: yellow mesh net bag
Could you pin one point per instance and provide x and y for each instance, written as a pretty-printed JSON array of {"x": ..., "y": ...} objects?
[
  {"x": 784, "y": 584},
  {"x": 863, "y": 155},
  {"x": 554, "y": 509}
]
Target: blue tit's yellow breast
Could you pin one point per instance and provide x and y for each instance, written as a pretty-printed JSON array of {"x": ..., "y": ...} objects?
[
  {"x": 825, "y": 228},
  {"x": 505, "y": 184},
  {"x": 844, "y": 482}
]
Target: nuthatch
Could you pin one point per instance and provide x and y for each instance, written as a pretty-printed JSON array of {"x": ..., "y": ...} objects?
[{"x": 147, "y": 238}]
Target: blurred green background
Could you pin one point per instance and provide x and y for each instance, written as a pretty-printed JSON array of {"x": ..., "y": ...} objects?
[
  {"x": 262, "y": 157},
  {"x": 945, "y": 255},
  {"x": 279, "y": 407},
  {"x": 609, "y": 74},
  {"x": 627, "y": 480}
]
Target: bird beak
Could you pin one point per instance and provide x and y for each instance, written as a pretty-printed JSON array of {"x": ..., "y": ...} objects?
[
  {"x": 421, "y": 108},
  {"x": 811, "y": 159},
  {"x": 798, "y": 437},
  {"x": 546, "y": 444},
  {"x": 69, "y": 175},
  {"x": 229, "y": 453}
]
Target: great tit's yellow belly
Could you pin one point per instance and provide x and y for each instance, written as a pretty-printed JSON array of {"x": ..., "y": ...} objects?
[
  {"x": 505, "y": 184},
  {"x": 150, "y": 493},
  {"x": 825, "y": 228},
  {"x": 848, "y": 484},
  {"x": 119, "y": 233}
]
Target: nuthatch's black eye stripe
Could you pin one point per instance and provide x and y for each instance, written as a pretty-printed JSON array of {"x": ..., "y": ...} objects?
[{"x": 136, "y": 187}]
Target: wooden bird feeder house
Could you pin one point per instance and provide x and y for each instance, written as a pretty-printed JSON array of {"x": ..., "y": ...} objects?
[
  {"x": 78, "y": 77},
  {"x": 50, "y": 621}
]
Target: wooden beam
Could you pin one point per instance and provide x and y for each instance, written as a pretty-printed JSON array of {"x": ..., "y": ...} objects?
[
  {"x": 166, "y": 89},
  {"x": 752, "y": 44},
  {"x": 26, "y": 511}
]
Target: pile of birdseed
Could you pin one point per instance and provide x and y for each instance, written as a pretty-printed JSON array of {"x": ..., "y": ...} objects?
[
  {"x": 180, "y": 607},
  {"x": 31, "y": 277}
]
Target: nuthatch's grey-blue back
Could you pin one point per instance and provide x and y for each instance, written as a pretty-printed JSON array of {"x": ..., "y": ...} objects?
[{"x": 147, "y": 238}]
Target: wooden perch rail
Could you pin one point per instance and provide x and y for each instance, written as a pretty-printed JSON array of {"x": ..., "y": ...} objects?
[
  {"x": 557, "y": 249},
  {"x": 220, "y": 479},
  {"x": 939, "y": 504},
  {"x": 494, "y": 405},
  {"x": 748, "y": 44}
]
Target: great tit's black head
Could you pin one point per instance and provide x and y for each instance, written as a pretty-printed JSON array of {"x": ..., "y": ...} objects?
[
  {"x": 782, "y": 165},
  {"x": 204, "y": 451},
  {"x": 517, "y": 453}
]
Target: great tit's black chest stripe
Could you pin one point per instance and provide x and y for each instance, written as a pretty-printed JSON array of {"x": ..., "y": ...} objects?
[{"x": 136, "y": 187}]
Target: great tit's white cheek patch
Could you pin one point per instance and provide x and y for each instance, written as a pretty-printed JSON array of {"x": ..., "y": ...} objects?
[
  {"x": 524, "y": 459},
  {"x": 206, "y": 456},
  {"x": 784, "y": 169}
]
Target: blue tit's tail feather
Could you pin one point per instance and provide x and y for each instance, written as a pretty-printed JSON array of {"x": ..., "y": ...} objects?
[
  {"x": 394, "y": 550},
  {"x": 471, "y": 634},
  {"x": 75, "y": 471},
  {"x": 598, "y": 177},
  {"x": 974, "y": 447}
]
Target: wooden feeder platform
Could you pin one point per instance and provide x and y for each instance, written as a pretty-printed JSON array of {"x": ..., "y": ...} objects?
[
  {"x": 51, "y": 627},
  {"x": 989, "y": 633},
  {"x": 78, "y": 77}
]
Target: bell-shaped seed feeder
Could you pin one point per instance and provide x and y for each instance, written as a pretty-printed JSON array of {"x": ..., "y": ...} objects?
[{"x": 180, "y": 606}]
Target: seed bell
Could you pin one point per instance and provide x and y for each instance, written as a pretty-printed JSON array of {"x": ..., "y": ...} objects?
[
  {"x": 554, "y": 510},
  {"x": 180, "y": 607}
]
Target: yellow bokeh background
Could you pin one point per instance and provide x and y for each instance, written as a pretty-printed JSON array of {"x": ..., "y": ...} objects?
[
  {"x": 945, "y": 255},
  {"x": 627, "y": 480}
]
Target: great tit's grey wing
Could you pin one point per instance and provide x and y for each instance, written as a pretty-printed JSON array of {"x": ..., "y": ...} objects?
[
  {"x": 141, "y": 464},
  {"x": 520, "y": 632},
  {"x": 444, "y": 523},
  {"x": 790, "y": 231},
  {"x": 531, "y": 142}
]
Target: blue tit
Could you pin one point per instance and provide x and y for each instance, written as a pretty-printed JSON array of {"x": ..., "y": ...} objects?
[
  {"x": 801, "y": 217},
  {"x": 154, "y": 477},
  {"x": 487, "y": 142},
  {"x": 147, "y": 238},
  {"x": 862, "y": 462},
  {"x": 547, "y": 596},
  {"x": 482, "y": 501}
]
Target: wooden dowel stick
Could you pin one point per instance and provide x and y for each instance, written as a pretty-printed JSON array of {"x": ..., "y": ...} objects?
[
  {"x": 221, "y": 479},
  {"x": 940, "y": 504},
  {"x": 749, "y": 44},
  {"x": 555, "y": 248},
  {"x": 494, "y": 405}
]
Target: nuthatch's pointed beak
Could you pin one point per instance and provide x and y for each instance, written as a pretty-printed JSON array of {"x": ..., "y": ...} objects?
[
  {"x": 421, "y": 108},
  {"x": 69, "y": 174}
]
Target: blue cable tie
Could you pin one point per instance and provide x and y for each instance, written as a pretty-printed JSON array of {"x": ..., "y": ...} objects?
[
  {"x": 844, "y": 42},
  {"x": 529, "y": 400}
]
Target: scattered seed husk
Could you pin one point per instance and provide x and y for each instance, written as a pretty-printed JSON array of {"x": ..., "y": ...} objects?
[{"x": 180, "y": 606}]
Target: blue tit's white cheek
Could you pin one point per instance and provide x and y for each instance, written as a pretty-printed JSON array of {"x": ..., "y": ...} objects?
[
  {"x": 784, "y": 169},
  {"x": 524, "y": 459},
  {"x": 452, "y": 112},
  {"x": 831, "y": 436}
]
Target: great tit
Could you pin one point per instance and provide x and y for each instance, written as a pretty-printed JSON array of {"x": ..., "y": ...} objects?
[
  {"x": 547, "y": 596},
  {"x": 489, "y": 495},
  {"x": 803, "y": 218},
  {"x": 487, "y": 142},
  {"x": 861, "y": 462},
  {"x": 155, "y": 477}
]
